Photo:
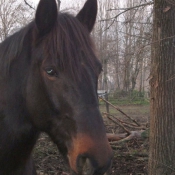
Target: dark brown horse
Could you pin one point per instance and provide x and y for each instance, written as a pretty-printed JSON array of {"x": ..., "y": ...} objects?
[{"x": 48, "y": 83}]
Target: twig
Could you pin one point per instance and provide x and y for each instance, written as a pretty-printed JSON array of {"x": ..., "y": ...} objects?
[
  {"x": 29, "y": 4},
  {"x": 133, "y": 126},
  {"x": 121, "y": 125},
  {"x": 130, "y": 8},
  {"x": 118, "y": 109},
  {"x": 119, "y": 119},
  {"x": 125, "y": 10}
]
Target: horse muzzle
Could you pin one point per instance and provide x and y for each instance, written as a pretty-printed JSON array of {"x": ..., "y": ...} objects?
[
  {"x": 89, "y": 158},
  {"x": 87, "y": 166}
]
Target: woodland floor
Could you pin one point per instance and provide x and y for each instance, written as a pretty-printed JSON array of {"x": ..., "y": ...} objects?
[{"x": 130, "y": 158}]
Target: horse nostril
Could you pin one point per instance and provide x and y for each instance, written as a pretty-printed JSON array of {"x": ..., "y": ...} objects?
[
  {"x": 84, "y": 166},
  {"x": 105, "y": 170},
  {"x": 87, "y": 168}
]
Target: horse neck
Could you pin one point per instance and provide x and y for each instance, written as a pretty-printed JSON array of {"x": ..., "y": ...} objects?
[
  {"x": 17, "y": 139},
  {"x": 17, "y": 134}
]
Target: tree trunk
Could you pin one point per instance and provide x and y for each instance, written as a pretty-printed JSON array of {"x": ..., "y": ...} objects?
[{"x": 162, "y": 124}]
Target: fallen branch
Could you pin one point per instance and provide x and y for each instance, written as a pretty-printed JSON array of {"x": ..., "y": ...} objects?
[
  {"x": 121, "y": 125},
  {"x": 118, "y": 109},
  {"x": 115, "y": 137},
  {"x": 124, "y": 123},
  {"x": 134, "y": 134}
]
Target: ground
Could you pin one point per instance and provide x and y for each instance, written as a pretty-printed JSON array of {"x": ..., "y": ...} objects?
[{"x": 130, "y": 158}]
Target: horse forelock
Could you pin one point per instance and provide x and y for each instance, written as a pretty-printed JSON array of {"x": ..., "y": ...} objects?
[{"x": 70, "y": 45}]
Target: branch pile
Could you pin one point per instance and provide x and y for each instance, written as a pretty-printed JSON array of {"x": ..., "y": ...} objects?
[{"x": 138, "y": 130}]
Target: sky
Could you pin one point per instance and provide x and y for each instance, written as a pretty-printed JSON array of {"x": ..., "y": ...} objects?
[{"x": 64, "y": 3}]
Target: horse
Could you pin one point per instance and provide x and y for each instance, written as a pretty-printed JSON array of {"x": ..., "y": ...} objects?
[{"x": 48, "y": 83}]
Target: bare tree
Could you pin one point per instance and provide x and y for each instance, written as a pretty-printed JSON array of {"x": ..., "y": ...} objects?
[
  {"x": 122, "y": 34},
  {"x": 13, "y": 15}
]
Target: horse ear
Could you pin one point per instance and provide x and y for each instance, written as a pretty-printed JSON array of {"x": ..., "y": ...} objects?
[
  {"x": 46, "y": 16},
  {"x": 87, "y": 14}
]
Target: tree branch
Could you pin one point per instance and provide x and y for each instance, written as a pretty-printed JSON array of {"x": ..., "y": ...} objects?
[
  {"x": 134, "y": 134},
  {"x": 130, "y": 125},
  {"x": 29, "y": 4},
  {"x": 130, "y": 8},
  {"x": 125, "y": 10}
]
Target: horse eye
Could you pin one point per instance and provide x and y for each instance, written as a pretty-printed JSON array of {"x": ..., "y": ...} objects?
[{"x": 51, "y": 72}]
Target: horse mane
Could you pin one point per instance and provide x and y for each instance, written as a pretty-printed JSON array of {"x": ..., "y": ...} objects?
[
  {"x": 62, "y": 44},
  {"x": 11, "y": 48}
]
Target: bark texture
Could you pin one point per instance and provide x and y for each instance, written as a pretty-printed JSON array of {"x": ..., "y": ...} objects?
[{"x": 162, "y": 123}]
